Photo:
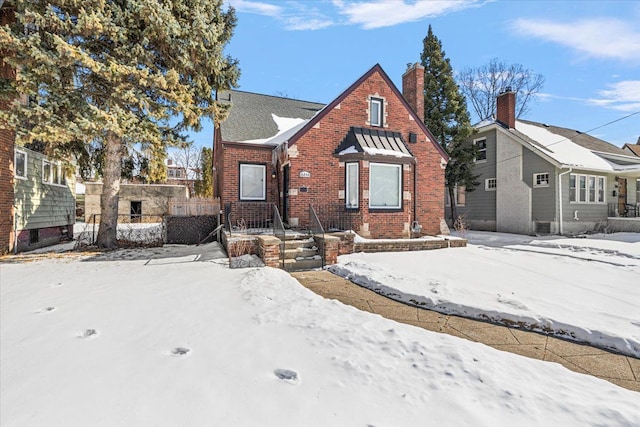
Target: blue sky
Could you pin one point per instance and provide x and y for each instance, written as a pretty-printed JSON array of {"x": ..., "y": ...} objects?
[{"x": 588, "y": 51}]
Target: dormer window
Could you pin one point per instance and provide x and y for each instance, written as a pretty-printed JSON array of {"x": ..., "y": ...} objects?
[{"x": 375, "y": 111}]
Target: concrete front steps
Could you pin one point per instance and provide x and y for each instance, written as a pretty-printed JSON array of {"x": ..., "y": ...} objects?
[{"x": 301, "y": 254}]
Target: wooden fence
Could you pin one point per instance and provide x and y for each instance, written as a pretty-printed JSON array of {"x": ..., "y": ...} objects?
[{"x": 180, "y": 206}]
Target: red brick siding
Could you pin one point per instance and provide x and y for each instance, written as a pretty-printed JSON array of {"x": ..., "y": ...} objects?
[
  {"x": 228, "y": 159},
  {"x": 315, "y": 154},
  {"x": 6, "y": 158}
]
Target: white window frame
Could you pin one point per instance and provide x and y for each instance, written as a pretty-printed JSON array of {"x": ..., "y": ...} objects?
[
  {"x": 596, "y": 197},
  {"x": 347, "y": 186},
  {"x": 490, "y": 184},
  {"x": 264, "y": 181},
  {"x": 379, "y": 122},
  {"x": 539, "y": 182},
  {"x": 373, "y": 166},
  {"x": 48, "y": 178},
  {"x": 15, "y": 169},
  {"x": 457, "y": 192},
  {"x": 483, "y": 150}
]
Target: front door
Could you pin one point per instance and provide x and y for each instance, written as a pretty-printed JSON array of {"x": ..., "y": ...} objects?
[
  {"x": 285, "y": 193},
  {"x": 622, "y": 195}
]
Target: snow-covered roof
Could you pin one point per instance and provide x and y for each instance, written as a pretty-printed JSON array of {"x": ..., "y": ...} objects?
[
  {"x": 287, "y": 127},
  {"x": 571, "y": 148}
]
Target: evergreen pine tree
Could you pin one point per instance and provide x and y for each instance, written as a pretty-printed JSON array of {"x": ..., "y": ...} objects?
[
  {"x": 114, "y": 73},
  {"x": 446, "y": 116},
  {"x": 204, "y": 186}
]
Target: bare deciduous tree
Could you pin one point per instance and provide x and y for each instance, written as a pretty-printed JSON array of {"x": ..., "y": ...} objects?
[{"x": 481, "y": 85}]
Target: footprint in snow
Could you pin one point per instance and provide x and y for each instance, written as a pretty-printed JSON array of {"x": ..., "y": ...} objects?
[
  {"x": 45, "y": 310},
  {"x": 88, "y": 333},
  {"x": 287, "y": 375},
  {"x": 56, "y": 285},
  {"x": 180, "y": 351}
]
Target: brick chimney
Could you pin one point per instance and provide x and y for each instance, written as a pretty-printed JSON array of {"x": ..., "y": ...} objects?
[
  {"x": 506, "y": 108},
  {"x": 413, "y": 88}
]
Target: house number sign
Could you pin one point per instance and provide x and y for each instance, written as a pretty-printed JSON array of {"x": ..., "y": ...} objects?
[{"x": 305, "y": 174}]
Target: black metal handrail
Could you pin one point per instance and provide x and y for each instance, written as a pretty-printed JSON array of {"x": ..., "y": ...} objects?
[
  {"x": 336, "y": 216},
  {"x": 249, "y": 217},
  {"x": 316, "y": 229},
  {"x": 279, "y": 232}
]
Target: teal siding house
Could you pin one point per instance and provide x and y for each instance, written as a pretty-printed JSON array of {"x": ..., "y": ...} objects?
[{"x": 44, "y": 200}]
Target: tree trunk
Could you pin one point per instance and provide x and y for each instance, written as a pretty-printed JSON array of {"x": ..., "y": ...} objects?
[
  {"x": 454, "y": 208},
  {"x": 110, "y": 189}
]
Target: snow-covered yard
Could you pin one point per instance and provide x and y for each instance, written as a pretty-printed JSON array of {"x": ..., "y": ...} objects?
[
  {"x": 172, "y": 337},
  {"x": 586, "y": 289}
]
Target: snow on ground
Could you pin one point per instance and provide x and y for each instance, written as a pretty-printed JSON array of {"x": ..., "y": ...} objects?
[
  {"x": 587, "y": 289},
  {"x": 172, "y": 337}
]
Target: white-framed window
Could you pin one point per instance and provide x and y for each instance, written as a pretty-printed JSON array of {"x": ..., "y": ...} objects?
[
  {"x": 587, "y": 188},
  {"x": 490, "y": 184},
  {"x": 482, "y": 150},
  {"x": 385, "y": 186},
  {"x": 459, "y": 193},
  {"x": 540, "y": 180},
  {"x": 376, "y": 111},
  {"x": 351, "y": 185},
  {"x": 52, "y": 173},
  {"x": 253, "y": 182},
  {"x": 20, "y": 164}
]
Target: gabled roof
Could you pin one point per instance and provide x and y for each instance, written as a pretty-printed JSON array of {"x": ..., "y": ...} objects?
[
  {"x": 634, "y": 148},
  {"x": 373, "y": 142},
  {"x": 570, "y": 148},
  {"x": 376, "y": 68},
  {"x": 258, "y": 118}
]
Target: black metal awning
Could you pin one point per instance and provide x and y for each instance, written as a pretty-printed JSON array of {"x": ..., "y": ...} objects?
[{"x": 373, "y": 142}]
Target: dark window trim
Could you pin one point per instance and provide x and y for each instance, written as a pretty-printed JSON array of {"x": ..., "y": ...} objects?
[
  {"x": 240, "y": 179},
  {"x": 351, "y": 208},
  {"x": 392, "y": 209},
  {"x": 381, "y": 118}
]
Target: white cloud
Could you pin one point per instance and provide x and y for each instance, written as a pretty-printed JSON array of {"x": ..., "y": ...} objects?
[
  {"x": 293, "y": 15},
  {"x": 598, "y": 38},
  {"x": 256, "y": 7},
  {"x": 621, "y": 96},
  {"x": 385, "y": 13}
]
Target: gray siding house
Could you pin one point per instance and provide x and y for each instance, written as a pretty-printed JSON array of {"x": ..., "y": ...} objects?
[
  {"x": 541, "y": 179},
  {"x": 44, "y": 202}
]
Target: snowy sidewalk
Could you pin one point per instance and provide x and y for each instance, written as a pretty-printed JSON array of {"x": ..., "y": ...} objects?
[{"x": 618, "y": 369}]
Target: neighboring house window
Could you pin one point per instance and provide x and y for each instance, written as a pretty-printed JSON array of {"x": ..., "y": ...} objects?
[
  {"x": 459, "y": 193},
  {"x": 490, "y": 184},
  {"x": 253, "y": 182},
  {"x": 592, "y": 189},
  {"x": 351, "y": 186},
  {"x": 52, "y": 173},
  {"x": 375, "y": 111},
  {"x": 587, "y": 188},
  {"x": 385, "y": 186},
  {"x": 540, "y": 180},
  {"x": 20, "y": 164},
  {"x": 638, "y": 191},
  {"x": 482, "y": 150}
]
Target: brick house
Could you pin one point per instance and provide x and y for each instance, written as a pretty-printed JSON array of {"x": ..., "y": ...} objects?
[{"x": 366, "y": 155}]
